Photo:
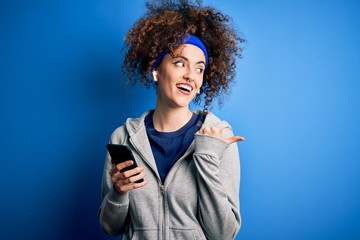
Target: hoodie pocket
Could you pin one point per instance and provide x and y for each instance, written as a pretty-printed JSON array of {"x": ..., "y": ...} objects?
[
  {"x": 142, "y": 235},
  {"x": 190, "y": 234}
]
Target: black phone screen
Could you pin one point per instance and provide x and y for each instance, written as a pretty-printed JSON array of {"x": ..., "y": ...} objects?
[{"x": 121, "y": 153}]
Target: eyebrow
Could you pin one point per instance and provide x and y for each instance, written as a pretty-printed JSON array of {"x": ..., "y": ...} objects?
[{"x": 186, "y": 59}]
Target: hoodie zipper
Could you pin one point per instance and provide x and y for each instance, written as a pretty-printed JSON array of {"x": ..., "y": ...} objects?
[
  {"x": 162, "y": 185},
  {"x": 162, "y": 191},
  {"x": 163, "y": 194}
]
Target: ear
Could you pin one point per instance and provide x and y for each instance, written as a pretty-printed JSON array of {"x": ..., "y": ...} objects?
[{"x": 154, "y": 74}]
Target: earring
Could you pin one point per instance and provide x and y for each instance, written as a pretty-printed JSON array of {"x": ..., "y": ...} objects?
[
  {"x": 154, "y": 73},
  {"x": 198, "y": 91}
]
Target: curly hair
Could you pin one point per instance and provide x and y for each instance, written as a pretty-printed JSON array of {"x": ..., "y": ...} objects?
[{"x": 162, "y": 27}]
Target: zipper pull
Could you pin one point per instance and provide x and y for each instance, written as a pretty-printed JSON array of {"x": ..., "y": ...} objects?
[{"x": 162, "y": 189}]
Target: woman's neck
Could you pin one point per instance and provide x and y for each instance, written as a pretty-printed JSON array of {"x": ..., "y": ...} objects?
[{"x": 168, "y": 119}]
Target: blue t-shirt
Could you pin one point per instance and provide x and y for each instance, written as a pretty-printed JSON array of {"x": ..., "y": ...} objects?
[{"x": 168, "y": 147}]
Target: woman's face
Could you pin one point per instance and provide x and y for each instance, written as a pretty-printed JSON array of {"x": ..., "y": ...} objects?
[{"x": 181, "y": 76}]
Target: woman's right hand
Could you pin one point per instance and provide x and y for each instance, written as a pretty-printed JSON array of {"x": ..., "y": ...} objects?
[{"x": 125, "y": 181}]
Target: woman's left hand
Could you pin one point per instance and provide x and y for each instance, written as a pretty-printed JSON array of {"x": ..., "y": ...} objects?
[{"x": 217, "y": 132}]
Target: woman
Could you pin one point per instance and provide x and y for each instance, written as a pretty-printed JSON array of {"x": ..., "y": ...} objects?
[{"x": 189, "y": 159}]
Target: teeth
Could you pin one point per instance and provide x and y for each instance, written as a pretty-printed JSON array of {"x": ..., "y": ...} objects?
[{"x": 185, "y": 87}]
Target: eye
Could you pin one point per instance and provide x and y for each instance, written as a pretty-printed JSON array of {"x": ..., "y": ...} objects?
[
  {"x": 179, "y": 64},
  {"x": 199, "y": 70}
]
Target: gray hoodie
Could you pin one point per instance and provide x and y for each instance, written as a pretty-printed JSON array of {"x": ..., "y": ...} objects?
[{"x": 198, "y": 200}]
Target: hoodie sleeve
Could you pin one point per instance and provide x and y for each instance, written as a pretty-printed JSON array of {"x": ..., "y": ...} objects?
[
  {"x": 218, "y": 166},
  {"x": 113, "y": 212}
]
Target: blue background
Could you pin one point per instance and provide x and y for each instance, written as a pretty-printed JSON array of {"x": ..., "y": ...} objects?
[{"x": 296, "y": 101}]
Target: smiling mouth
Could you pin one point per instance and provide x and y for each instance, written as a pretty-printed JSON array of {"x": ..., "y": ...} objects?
[{"x": 184, "y": 87}]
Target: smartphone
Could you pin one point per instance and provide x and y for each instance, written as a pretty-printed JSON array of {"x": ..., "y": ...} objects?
[{"x": 122, "y": 153}]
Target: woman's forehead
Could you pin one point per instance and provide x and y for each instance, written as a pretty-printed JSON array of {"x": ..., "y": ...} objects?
[{"x": 190, "y": 52}]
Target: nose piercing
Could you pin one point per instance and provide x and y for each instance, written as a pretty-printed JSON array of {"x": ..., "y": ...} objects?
[{"x": 190, "y": 79}]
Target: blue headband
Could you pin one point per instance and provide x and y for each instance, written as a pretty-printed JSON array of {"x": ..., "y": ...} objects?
[{"x": 187, "y": 39}]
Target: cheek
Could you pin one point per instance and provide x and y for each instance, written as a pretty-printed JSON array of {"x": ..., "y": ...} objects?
[
  {"x": 165, "y": 83},
  {"x": 166, "y": 77},
  {"x": 200, "y": 81}
]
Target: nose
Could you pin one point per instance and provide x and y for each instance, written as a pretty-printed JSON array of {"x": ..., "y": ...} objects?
[{"x": 189, "y": 75}]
